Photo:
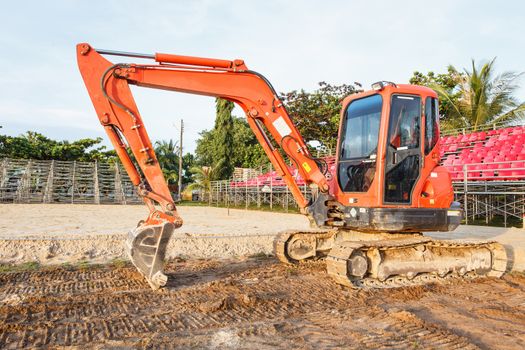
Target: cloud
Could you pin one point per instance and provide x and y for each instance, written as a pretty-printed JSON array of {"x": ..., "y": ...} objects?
[{"x": 295, "y": 44}]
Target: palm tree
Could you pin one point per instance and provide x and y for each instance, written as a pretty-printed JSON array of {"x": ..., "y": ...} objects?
[
  {"x": 167, "y": 152},
  {"x": 482, "y": 97},
  {"x": 204, "y": 176},
  {"x": 171, "y": 176}
]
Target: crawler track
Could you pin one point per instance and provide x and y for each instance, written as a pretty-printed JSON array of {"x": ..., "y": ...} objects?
[
  {"x": 253, "y": 304},
  {"x": 392, "y": 262},
  {"x": 337, "y": 266}
]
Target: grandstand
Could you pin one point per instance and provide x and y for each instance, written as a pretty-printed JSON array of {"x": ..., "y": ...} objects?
[
  {"x": 488, "y": 173},
  {"x": 270, "y": 178},
  {"x": 487, "y": 169},
  {"x": 492, "y": 155},
  {"x": 52, "y": 181}
]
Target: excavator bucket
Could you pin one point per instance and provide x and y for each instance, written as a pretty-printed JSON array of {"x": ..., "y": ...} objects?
[{"x": 146, "y": 247}]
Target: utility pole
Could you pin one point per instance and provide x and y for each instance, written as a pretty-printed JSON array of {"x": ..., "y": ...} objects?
[{"x": 180, "y": 158}]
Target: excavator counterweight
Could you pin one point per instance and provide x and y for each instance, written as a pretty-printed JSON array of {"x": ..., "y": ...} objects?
[{"x": 370, "y": 209}]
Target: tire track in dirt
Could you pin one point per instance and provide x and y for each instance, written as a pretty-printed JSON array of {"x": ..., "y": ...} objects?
[{"x": 246, "y": 304}]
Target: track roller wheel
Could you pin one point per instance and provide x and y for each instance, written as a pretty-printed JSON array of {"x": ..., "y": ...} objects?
[
  {"x": 291, "y": 247},
  {"x": 345, "y": 263}
]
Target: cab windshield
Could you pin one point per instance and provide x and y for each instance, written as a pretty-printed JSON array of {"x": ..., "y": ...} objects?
[{"x": 361, "y": 128}]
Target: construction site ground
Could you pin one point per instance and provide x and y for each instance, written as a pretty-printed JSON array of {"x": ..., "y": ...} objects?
[{"x": 224, "y": 292}]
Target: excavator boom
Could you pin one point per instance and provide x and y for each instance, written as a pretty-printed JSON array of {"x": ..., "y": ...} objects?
[{"x": 108, "y": 87}]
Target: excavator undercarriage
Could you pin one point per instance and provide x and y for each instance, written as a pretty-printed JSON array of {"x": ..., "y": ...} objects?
[{"x": 387, "y": 260}]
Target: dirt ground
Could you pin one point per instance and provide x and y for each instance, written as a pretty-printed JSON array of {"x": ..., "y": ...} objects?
[
  {"x": 231, "y": 302},
  {"x": 54, "y": 220},
  {"x": 62, "y": 233},
  {"x": 253, "y": 303},
  {"x": 56, "y": 234}
]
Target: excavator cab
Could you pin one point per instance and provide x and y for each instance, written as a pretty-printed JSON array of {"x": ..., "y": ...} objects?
[{"x": 387, "y": 162}]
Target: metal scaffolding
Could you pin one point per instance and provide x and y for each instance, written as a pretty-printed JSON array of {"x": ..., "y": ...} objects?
[
  {"x": 51, "y": 181},
  {"x": 493, "y": 194},
  {"x": 241, "y": 194},
  {"x": 484, "y": 201}
]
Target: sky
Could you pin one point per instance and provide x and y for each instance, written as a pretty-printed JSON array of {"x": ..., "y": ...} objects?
[{"x": 295, "y": 44}]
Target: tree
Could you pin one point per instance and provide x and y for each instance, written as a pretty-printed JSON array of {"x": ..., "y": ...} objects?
[
  {"x": 33, "y": 145},
  {"x": 205, "y": 149},
  {"x": 479, "y": 97},
  {"x": 167, "y": 155},
  {"x": 448, "y": 82},
  {"x": 188, "y": 162},
  {"x": 223, "y": 137},
  {"x": 204, "y": 176},
  {"x": 317, "y": 114},
  {"x": 247, "y": 153}
]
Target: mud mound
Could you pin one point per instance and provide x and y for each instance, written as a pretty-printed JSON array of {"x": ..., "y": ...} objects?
[{"x": 104, "y": 248}]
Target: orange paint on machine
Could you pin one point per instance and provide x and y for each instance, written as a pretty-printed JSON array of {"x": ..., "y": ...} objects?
[{"x": 384, "y": 189}]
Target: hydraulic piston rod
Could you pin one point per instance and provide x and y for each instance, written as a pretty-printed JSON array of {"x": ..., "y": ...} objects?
[
  {"x": 125, "y": 54},
  {"x": 169, "y": 58}
]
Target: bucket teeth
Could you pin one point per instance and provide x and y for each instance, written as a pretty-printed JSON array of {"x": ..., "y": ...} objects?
[{"x": 146, "y": 247}]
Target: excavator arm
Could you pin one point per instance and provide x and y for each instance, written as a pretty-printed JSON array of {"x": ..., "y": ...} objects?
[{"x": 108, "y": 87}]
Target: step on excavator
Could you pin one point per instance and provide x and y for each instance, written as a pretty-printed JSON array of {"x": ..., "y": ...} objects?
[{"x": 370, "y": 209}]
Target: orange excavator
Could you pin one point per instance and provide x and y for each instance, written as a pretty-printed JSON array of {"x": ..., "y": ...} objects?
[{"x": 371, "y": 209}]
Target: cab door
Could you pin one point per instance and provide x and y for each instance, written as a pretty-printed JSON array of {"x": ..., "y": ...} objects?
[{"x": 403, "y": 151}]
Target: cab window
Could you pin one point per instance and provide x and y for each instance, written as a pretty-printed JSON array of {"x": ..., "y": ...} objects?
[
  {"x": 361, "y": 127},
  {"x": 404, "y": 122},
  {"x": 357, "y": 160},
  {"x": 431, "y": 123}
]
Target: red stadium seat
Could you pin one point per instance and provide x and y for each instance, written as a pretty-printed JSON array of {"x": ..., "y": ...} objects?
[
  {"x": 490, "y": 143},
  {"x": 511, "y": 157},
  {"x": 464, "y": 139},
  {"x": 504, "y": 170},
  {"x": 488, "y": 172},
  {"x": 518, "y": 170},
  {"x": 448, "y": 161},
  {"x": 473, "y": 172}
]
